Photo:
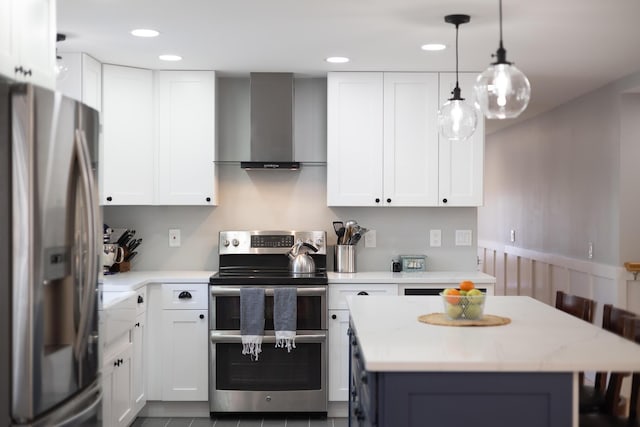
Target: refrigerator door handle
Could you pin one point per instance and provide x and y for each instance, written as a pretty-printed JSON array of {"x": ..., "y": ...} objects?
[{"x": 88, "y": 296}]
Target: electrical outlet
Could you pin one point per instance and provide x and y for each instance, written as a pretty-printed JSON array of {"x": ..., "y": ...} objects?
[
  {"x": 174, "y": 237},
  {"x": 590, "y": 253},
  {"x": 512, "y": 235},
  {"x": 463, "y": 237},
  {"x": 435, "y": 238},
  {"x": 370, "y": 239}
]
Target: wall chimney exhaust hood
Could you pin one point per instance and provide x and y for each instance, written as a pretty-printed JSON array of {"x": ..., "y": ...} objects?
[{"x": 271, "y": 122}]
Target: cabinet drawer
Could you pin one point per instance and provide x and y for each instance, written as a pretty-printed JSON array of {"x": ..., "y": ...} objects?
[
  {"x": 339, "y": 292},
  {"x": 141, "y": 300},
  {"x": 185, "y": 296}
]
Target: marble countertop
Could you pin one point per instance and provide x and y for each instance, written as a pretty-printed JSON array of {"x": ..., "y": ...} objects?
[
  {"x": 425, "y": 277},
  {"x": 133, "y": 280},
  {"x": 539, "y": 338}
]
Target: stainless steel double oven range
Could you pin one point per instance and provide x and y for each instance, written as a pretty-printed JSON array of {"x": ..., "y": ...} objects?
[{"x": 279, "y": 381}]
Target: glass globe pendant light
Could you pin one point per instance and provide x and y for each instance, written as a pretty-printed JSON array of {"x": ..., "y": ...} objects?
[
  {"x": 502, "y": 90},
  {"x": 61, "y": 69},
  {"x": 457, "y": 119}
]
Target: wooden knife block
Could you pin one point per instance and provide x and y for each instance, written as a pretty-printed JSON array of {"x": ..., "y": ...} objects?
[{"x": 123, "y": 266}]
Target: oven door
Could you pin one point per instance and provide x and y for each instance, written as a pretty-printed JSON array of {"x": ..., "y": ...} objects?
[
  {"x": 224, "y": 307},
  {"x": 279, "y": 381}
]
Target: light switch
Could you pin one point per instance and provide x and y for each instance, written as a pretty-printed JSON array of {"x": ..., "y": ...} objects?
[
  {"x": 174, "y": 237},
  {"x": 435, "y": 238},
  {"x": 370, "y": 239},
  {"x": 463, "y": 237}
]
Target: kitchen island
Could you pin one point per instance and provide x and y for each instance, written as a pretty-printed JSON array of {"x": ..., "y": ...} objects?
[{"x": 408, "y": 373}]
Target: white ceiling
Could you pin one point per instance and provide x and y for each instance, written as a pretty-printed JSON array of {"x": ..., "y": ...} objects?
[{"x": 565, "y": 47}]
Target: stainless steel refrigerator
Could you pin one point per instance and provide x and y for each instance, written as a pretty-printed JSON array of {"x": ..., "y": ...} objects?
[{"x": 49, "y": 228}]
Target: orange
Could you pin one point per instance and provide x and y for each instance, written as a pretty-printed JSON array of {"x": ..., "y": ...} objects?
[
  {"x": 452, "y": 296},
  {"x": 466, "y": 285}
]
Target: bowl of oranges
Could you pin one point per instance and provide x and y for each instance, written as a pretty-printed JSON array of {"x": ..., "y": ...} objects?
[{"x": 463, "y": 303}]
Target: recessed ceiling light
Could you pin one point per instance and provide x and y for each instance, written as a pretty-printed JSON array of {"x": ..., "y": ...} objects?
[
  {"x": 337, "y": 59},
  {"x": 145, "y": 32},
  {"x": 170, "y": 57},
  {"x": 432, "y": 47}
]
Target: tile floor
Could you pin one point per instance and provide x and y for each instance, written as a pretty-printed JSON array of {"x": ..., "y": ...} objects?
[{"x": 206, "y": 422}]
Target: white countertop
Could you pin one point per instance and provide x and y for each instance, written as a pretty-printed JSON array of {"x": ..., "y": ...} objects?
[
  {"x": 133, "y": 280},
  {"x": 411, "y": 277},
  {"x": 539, "y": 338}
]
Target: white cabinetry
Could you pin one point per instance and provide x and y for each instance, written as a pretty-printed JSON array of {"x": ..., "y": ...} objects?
[
  {"x": 83, "y": 81},
  {"x": 159, "y": 137},
  {"x": 117, "y": 364},
  {"x": 382, "y": 139},
  {"x": 139, "y": 348},
  {"x": 461, "y": 162},
  {"x": 185, "y": 355},
  {"x": 186, "y": 135},
  {"x": 128, "y": 159},
  {"x": 383, "y": 146},
  {"x": 338, "y": 337},
  {"x": 27, "y": 40}
]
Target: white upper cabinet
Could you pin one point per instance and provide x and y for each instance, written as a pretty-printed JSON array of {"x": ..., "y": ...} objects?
[
  {"x": 83, "y": 81},
  {"x": 128, "y": 154},
  {"x": 461, "y": 162},
  {"x": 383, "y": 144},
  {"x": 27, "y": 41},
  {"x": 382, "y": 147},
  {"x": 354, "y": 139},
  {"x": 410, "y": 139},
  {"x": 159, "y": 137},
  {"x": 186, "y": 137}
]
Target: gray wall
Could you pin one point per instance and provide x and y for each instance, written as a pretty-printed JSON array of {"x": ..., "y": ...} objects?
[
  {"x": 569, "y": 177},
  {"x": 286, "y": 200}
]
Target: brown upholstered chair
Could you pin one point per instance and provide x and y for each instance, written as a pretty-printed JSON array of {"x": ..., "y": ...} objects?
[{"x": 608, "y": 416}]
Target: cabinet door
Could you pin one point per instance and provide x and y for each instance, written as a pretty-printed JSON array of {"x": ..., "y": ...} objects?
[
  {"x": 139, "y": 355},
  {"x": 185, "y": 359},
  {"x": 128, "y": 149},
  {"x": 8, "y": 46},
  {"x": 461, "y": 162},
  {"x": 410, "y": 139},
  {"x": 186, "y": 137},
  {"x": 35, "y": 34},
  {"x": 117, "y": 382},
  {"x": 354, "y": 139},
  {"x": 91, "y": 82},
  {"x": 339, "y": 355}
]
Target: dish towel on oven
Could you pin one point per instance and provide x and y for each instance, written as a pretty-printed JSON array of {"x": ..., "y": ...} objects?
[
  {"x": 284, "y": 317},
  {"x": 252, "y": 320}
]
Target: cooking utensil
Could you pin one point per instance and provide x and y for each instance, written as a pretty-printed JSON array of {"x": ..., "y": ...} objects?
[
  {"x": 341, "y": 235},
  {"x": 337, "y": 225},
  {"x": 355, "y": 239}
]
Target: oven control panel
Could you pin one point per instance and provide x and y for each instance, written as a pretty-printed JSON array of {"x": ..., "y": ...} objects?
[{"x": 269, "y": 242}]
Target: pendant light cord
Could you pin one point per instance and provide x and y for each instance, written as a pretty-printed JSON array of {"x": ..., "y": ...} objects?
[
  {"x": 457, "y": 86},
  {"x": 500, "y": 14}
]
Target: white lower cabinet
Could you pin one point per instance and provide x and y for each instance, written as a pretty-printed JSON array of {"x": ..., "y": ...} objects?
[
  {"x": 139, "y": 356},
  {"x": 338, "y": 327},
  {"x": 116, "y": 389},
  {"x": 339, "y": 360},
  {"x": 185, "y": 355}
]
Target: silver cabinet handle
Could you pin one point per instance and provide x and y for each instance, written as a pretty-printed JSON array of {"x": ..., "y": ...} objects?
[{"x": 224, "y": 291}]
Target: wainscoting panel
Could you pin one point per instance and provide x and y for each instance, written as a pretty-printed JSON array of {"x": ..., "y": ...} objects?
[{"x": 539, "y": 275}]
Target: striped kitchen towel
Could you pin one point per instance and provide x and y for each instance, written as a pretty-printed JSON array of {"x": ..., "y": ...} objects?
[{"x": 252, "y": 320}]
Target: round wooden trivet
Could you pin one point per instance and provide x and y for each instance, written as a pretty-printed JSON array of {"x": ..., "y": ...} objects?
[{"x": 441, "y": 319}]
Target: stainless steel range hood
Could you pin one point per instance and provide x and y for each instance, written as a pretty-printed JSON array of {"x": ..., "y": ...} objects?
[{"x": 271, "y": 122}]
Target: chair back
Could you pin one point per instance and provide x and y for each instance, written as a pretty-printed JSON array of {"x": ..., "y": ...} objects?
[
  {"x": 632, "y": 331},
  {"x": 577, "y": 306}
]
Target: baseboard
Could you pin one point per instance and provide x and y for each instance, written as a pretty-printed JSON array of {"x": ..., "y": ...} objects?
[{"x": 175, "y": 409}]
